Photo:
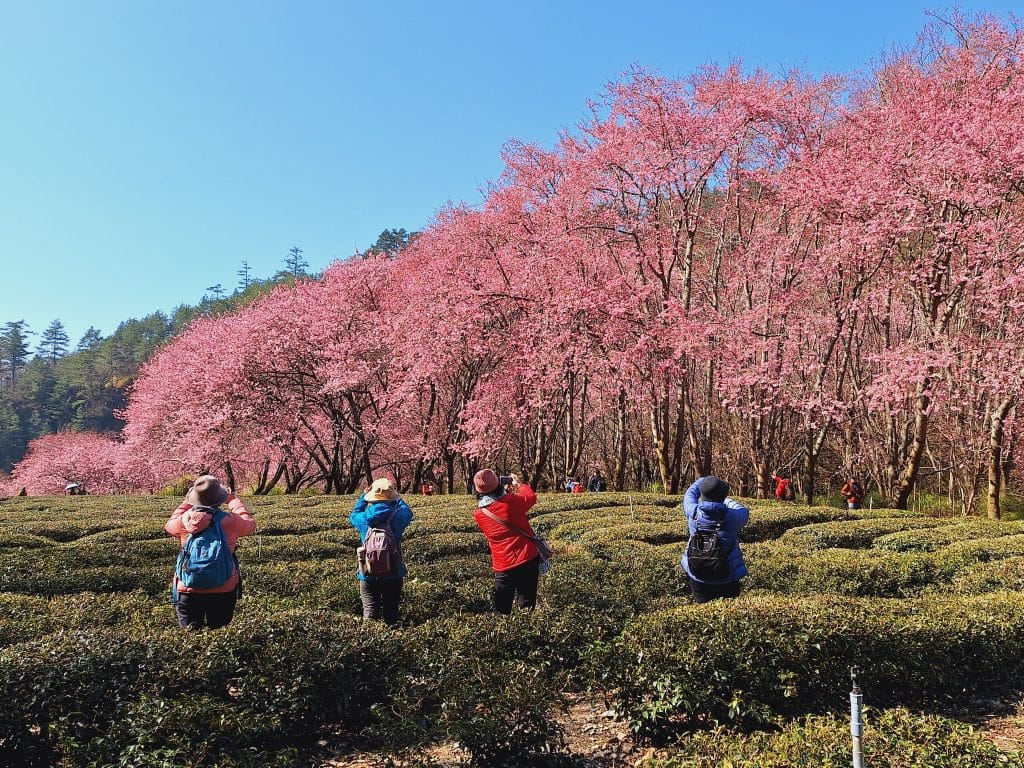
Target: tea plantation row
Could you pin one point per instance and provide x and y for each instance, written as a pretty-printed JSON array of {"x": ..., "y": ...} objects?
[{"x": 94, "y": 672}]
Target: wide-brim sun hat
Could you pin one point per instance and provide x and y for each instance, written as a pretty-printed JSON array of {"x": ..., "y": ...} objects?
[
  {"x": 381, "y": 490},
  {"x": 206, "y": 491}
]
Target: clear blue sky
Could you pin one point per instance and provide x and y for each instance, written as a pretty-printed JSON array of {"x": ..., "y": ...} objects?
[{"x": 148, "y": 148}]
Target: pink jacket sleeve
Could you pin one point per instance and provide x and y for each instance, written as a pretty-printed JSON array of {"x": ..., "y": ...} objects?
[
  {"x": 174, "y": 526},
  {"x": 240, "y": 522}
]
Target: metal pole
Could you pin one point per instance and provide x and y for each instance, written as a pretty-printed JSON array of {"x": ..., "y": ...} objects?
[{"x": 856, "y": 723}]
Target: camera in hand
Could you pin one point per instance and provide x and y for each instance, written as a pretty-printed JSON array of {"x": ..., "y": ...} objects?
[{"x": 504, "y": 479}]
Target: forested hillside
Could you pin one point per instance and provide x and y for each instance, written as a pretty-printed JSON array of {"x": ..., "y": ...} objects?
[{"x": 56, "y": 386}]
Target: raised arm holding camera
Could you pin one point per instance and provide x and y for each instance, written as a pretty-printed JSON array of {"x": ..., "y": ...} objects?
[{"x": 502, "y": 504}]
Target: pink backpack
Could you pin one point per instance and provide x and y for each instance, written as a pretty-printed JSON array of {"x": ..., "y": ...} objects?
[{"x": 381, "y": 555}]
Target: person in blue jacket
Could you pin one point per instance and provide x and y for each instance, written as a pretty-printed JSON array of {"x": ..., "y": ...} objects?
[
  {"x": 706, "y": 503},
  {"x": 381, "y": 595}
]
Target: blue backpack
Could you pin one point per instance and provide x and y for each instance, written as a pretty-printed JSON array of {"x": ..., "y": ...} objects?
[{"x": 206, "y": 560}]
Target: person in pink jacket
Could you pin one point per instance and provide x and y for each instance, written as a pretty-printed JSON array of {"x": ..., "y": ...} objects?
[{"x": 213, "y": 606}]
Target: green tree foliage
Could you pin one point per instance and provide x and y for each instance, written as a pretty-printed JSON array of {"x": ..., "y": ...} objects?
[
  {"x": 390, "y": 241},
  {"x": 244, "y": 277},
  {"x": 295, "y": 265},
  {"x": 53, "y": 344},
  {"x": 82, "y": 390},
  {"x": 14, "y": 350}
]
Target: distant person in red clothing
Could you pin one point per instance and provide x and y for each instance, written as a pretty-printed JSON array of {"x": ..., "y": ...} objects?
[
  {"x": 783, "y": 486},
  {"x": 501, "y": 516},
  {"x": 427, "y": 489},
  {"x": 854, "y": 493}
]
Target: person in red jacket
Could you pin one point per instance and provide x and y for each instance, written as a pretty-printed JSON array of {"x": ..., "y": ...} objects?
[
  {"x": 501, "y": 517},
  {"x": 214, "y": 606},
  {"x": 783, "y": 486},
  {"x": 853, "y": 492}
]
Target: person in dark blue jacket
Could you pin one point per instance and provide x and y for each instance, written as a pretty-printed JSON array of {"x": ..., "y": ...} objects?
[
  {"x": 706, "y": 504},
  {"x": 381, "y": 595}
]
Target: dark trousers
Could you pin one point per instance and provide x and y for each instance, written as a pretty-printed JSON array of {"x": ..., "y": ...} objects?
[
  {"x": 705, "y": 593},
  {"x": 196, "y": 610},
  {"x": 380, "y": 599},
  {"x": 518, "y": 584}
]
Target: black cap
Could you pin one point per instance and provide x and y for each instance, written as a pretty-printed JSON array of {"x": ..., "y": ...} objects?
[{"x": 713, "y": 488}]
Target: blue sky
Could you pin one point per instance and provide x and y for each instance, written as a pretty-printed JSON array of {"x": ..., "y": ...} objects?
[{"x": 148, "y": 148}]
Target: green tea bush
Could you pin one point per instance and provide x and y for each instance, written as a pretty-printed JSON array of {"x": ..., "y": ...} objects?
[
  {"x": 985, "y": 549},
  {"x": 276, "y": 524},
  {"x": 420, "y": 547},
  {"x": 571, "y": 526},
  {"x": 441, "y": 521},
  {"x": 785, "y": 569},
  {"x": 852, "y": 534},
  {"x": 632, "y": 581},
  {"x": 50, "y": 579},
  {"x": 484, "y": 682},
  {"x": 894, "y": 738},
  {"x": 23, "y": 541},
  {"x": 648, "y": 533},
  {"x": 129, "y": 531},
  {"x": 991, "y": 576},
  {"x": 275, "y": 680},
  {"x": 748, "y": 661},
  {"x": 309, "y": 546},
  {"x": 27, "y": 617},
  {"x": 155, "y": 732},
  {"x": 928, "y": 540}
]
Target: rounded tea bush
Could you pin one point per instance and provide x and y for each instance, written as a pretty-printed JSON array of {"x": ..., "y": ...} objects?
[
  {"x": 893, "y": 738},
  {"x": 747, "y": 661}
]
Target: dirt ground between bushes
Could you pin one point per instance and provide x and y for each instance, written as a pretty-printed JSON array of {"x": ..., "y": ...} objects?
[
  {"x": 1003, "y": 723},
  {"x": 596, "y": 738},
  {"x": 593, "y": 735}
]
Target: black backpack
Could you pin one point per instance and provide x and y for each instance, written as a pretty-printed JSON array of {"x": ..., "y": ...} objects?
[{"x": 707, "y": 557}]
